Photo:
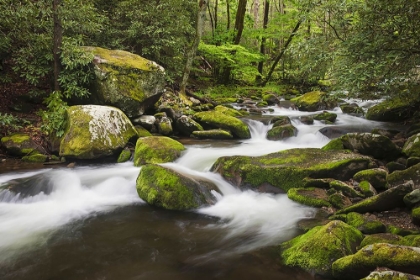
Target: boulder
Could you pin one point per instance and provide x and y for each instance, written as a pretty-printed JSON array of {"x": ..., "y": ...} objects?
[
  {"x": 229, "y": 111},
  {"x": 401, "y": 258},
  {"x": 168, "y": 189},
  {"x": 146, "y": 121},
  {"x": 95, "y": 131},
  {"x": 287, "y": 169},
  {"x": 412, "y": 146},
  {"x": 316, "y": 250},
  {"x": 387, "y": 200},
  {"x": 374, "y": 145},
  {"x": 280, "y": 121},
  {"x": 375, "y": 176},
  {"x": 20, "y": 144},
  {"x": 326, "y": 117},
  {"x": 387, "y": 274},
  {"x": 156, "y": 149},
  {"x": 212, "y": 134},
  {"x": 271, "y": 98},
  {"x": 345, "y": 188},
  {"x": 366, "y": 224},
  {"x": 392, "y": 110},
  {"x": 352, "y": 109},
  {"x": 389, "y": 238},
  {"x": 125, "y": 80},
  {"x": 412, "y": 199},
  {"x": 401, "y": 176},
  {"x": 314, "y": 101},
  {"x": 164, "y": 125},
  {"x": 220, "y": 120},
  {"x": 314, "y": 197},
  {"x": 187, "y": 125},
  {"x": 124, "y": 156},
  {"x": 281, "y": 132}
]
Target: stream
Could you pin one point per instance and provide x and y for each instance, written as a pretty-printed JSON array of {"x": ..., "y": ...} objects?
[{"x": 91, "y": 224}]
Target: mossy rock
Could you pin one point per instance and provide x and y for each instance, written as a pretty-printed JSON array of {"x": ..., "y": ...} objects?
[
  {"x": 326, "y": 116},
  {"x": 313, "y": 101},
  {"x": 339, "y": 200},
  {"x": 270, "y": 98},
  {"x": 412, "y": 240},
  {"x": 387, "y": 274},
  {"x": 35, "y": 158},
  {"x": 124, "y": 156},
  {"x": 280, "y": 121},
  {"x": 370, "y": 144},
  {"x": 281, "y": 132},
  {"x": 156, "y": 149},
  {"x": 346, "y": 189},
  {"x": 376, "y": 177},
  {"x": 164, "y": 126},
  {"x": 186, "y": 125},
  {"x": 401, "y": 176},
  {"x": 19, "y": 144},
  {"x": 365, "y": 224},
  {"x": 352, "y": 109},
  {"x": 415, "y": 214},
  {"x": 387, "y": 200},
  {"x": 402, "y": 232},
  {"x": 316, "y": 250},
  {"x": 334, "y": 144},
  {"x": 382, "y": 238},
  {"x": 95, "y": 131},
  {"x": 229, "y": 111},
  {"x": 367, "y": 189},
  {"x": 287, "y": 169},
  {"x": 212, "y": 134},
  {"x": 412, "y": 199},
  {"x": 168, "y": 189},
  {"x": 360, "y": 264},
  {"x": 412, "y": 161},
  {"x": 125, "y": 80},
  {"x": 392, "y": 110},
  {"x": 220, "y": 120},
  {"x": 394, "y": 166},
  {"x": 142, "y": 132},
  {"x": 412, "y": 146},
  {"x": 314, "y": 197}
]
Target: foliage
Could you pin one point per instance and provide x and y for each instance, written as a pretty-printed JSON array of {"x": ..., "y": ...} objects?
[
  {"x": 10, "y": 123},
  {"x": 54, "y": 120}
]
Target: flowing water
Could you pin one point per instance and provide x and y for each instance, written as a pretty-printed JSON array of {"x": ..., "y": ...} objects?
[{"x": 89, "y": 223}]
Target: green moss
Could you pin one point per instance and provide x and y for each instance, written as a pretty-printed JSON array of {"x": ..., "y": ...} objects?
[
  {"x": 400, "y": 176},
  {"x": 394, "y": 110},
  {"x": 400, "y": 231},
  {"x": 364, "y": 224},
  {"x": 412, "y": 146},
  {"x": 36, "y": 158},
  {"x": 124, "y": 156},
  {"x": 412, "y": 240},
  {"x": 366, "y": 189},
  {"x": 164, "y": 188},
  {"x": 345, "y": 189},
  {"x": 375, "y": 176},
  {"x": 335, "y": 144},
  {"x": 27, "y": 151},
  {"x": 415, "y": 213},
  {"x": 142, "y": 132},
  {"x": 309, "y": 196},
  {"x": 317, "y": 249},
  {"x": 338, "y": 200},
  {"x": 156, "y": 149},
  {"x": 17, "y": 138},
  {"x": 220, "y": 120},
  {"x": 326, "y": 116},
  {"x": 212, "y": 134},
  {"x": 382, "y": 238}
]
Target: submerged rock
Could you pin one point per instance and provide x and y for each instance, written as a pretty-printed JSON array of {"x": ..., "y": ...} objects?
[
  {"x": 287, "y": 169},
  {"x": 401, "y": 258},
  {"x": 95, "y": 131},
  {"x": 156, "y": 149},
  {"x": 125, "y": 80},
  {"x": 316, "y": 250},
  {"x": 168, "y": 189}
]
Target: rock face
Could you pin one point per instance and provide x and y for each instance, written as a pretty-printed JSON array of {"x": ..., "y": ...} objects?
[
  {"x": 95, "y": 131},
  {"x": 156, "y": 149},
  {"x": 316, "y": 250},
  {"x": 216, "y": 119},
  {"x": 125, "y": 80},
  {"x": 401, "y": 258},
  {"x": 287, "y": 169},
  {"x": 165, "y": 188}
]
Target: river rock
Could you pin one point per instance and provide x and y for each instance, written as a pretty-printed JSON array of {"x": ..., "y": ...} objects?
[
  {"x": 352, "y": 109},
  {"x": 281, "y": 132},
  {"x": 316, "y": 250},
  {"x": 156, "y": 149},
  {"x": 125, "y": 80},
  {"x": 387, "y": 200},
  {"x": 271, "y": 98},
  {"x": 326, "y": 117},
  {"x": 20, "y": 144},
  {"x": 399, "y": 177},
  {"x": 220, "y": 120},
  {"x": 366, "y": 224},
  {"x": 28, "y": 186},
  {"x": 287, "y": 169},
  {"x": 374, "y": 145},
  {"x": 230, "y": 111},
  {"x": 387, "y": 274},
  {"x": 212, "y": 134},
  {"x": 187, "y": 125},
  {"x": 168, "y": 189},
  {"x": 375, "y": 176},
  {"x": 164, "y": 125},
  {"x": 313, "y": 101},
  {"x": 412, "y": 199},
  {"x": 146, "y": 121},
  {"x": 314, "y": 197},
  {"x": 367, "y": 259},
  {"x": 393, "y": 110},
  {"x": 389, "y": 238},
  {"x": 95, "y": 131},
  {"x": 412, "y": 146}
]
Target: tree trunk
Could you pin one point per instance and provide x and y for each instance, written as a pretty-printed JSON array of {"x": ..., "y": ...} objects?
[
  {"x": 201, "y": 14},
  {"x": 262, "y": 46},
  {"x": 216, "y": 10},
  {"x": 280, "y": 55},
  {"x": 228, "y": 14},
  {"x": 239, "y": 21},
  {"x": 256, "y": 13},
  {"x": 57, "y": 43}
]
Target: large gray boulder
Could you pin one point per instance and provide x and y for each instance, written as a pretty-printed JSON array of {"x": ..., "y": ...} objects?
[
  {"x": 125, "y": 80},
  {"x": 95, "y": 131}
]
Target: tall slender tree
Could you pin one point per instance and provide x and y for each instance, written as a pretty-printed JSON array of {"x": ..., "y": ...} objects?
[{"x": 57, "y": 43}]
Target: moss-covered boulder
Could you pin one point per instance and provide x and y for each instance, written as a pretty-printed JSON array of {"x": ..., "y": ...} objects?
[
  {"x": 281, "y": 132},
  {"x": 389, "y": 238},
  {"x": 164, "y": 125},
  {"x": 314, "y": 197},
  {"x": 142, "y": 132},
  {"x": 366, "y": 224},
  {"x": 401, "y": 176},
  {"x": 314, "y": 101},
  {"x": 387, "y": 200},
  {"x": 346, "y": 189},
  {"x": 316, "y": 250},
  {"x": 168, "y": 189},
  {"x": 374, "y": 145},
  {"x": 412, "y": 199},
  {"x": 387, "y": 274},
  {"x": 220, "y": 120},
  {"x": 352, "y": 109},
  {"x": 359, "y": 265},
  {"x": 280, "y": 121},
  {"x": 334, "y": 144},
  {"x": 326, "y": 117},
  {"x": 412, "y": 146},
  {"x": 367, "y": 189},
  {"x": 186, "y": 125},
  {"x": 124, "y": 156},
  {"x": 415, "y": 215},
  {"x": 19, "y": 144},
  {"x": 125, "y": 80},
  {"x": 375, "y": 176},
  {"x": 212, "y": 134},
  {"x": 271, "y": 98},
  {"x": 230, "y": 111},
  {"x": 156, "y": 149},
  {"x": 393, "y": 110},
  {"x": 35, "y": 158},
  {"x": 287, "y": 169},
  {"x": 95, "y": 131}
]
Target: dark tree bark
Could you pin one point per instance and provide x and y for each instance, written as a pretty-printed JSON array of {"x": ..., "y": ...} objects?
[
  {"x": 216, "y": 11},
  {"x": 228, "y": 14},
  {"x": 263, "y": 39},
  {"x": 57, "y": 43},
  {"x": 239, "y": 21}
]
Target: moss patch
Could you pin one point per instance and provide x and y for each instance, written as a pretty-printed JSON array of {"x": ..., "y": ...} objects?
[
  {"x": 309, "y": 196},
  {"x": 220, "y": 120},
  {"x": 156, "y": 149}
]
